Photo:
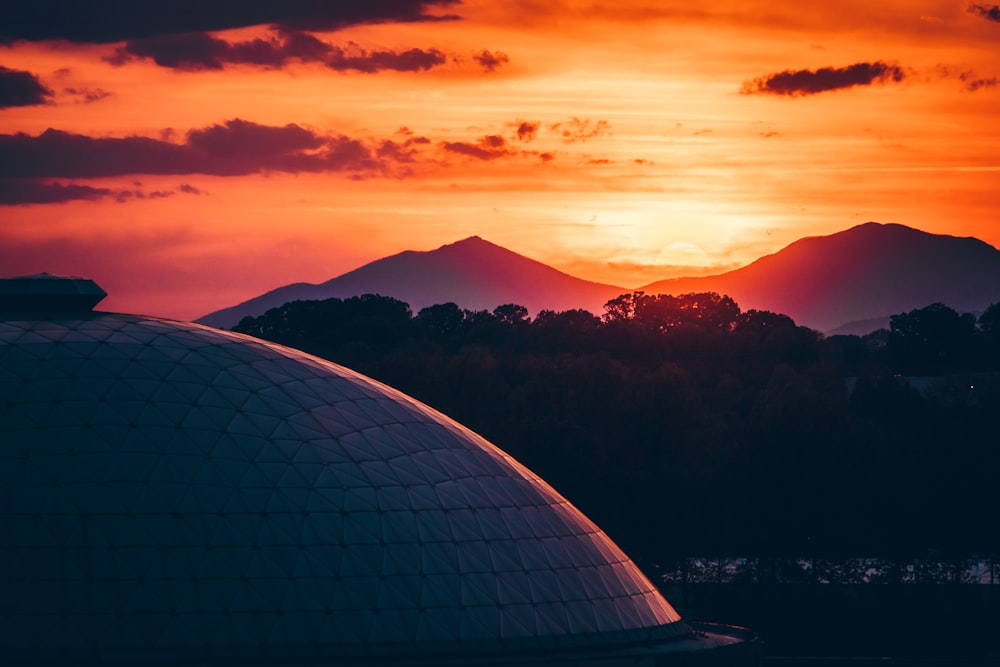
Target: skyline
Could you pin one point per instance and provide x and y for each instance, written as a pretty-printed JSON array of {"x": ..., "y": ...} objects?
[{"x": 192, "y": 159}]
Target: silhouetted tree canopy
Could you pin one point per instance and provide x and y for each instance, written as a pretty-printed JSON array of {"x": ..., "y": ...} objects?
[
  {"x": 683, "y": 425},
  {"x": 933, "y": 338}
]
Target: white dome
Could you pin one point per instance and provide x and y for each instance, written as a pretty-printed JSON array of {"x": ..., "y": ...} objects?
[{"x": 174, "y": 492}]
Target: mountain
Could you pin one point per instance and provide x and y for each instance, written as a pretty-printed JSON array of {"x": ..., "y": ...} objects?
[
  {"x": 473, "y": 273},
  {"x": 848, "y": 282},
  {"x": 868, "y": 272},
  {"x": 861, "y": 327}
]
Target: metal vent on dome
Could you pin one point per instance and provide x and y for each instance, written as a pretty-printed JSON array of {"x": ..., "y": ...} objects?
[{"x": 45, "y": 292}]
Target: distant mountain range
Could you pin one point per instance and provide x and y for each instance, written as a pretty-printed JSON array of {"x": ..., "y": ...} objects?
[
  {"x": 473, "y": 273},
  {"x": 853, "y": 281},
  {"x": 848, "y": 282}
]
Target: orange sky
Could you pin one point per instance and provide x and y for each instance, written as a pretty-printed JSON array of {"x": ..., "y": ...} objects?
[{"x": 191, "y": 168}]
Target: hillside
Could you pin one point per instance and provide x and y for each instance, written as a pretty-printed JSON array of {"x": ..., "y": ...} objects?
[
  {"x": 868, "y": 272},
  {"x": 473, "y": 273},
  {"x": 848, "y": 282}
]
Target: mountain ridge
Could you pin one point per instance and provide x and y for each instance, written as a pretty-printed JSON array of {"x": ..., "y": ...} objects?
[
  {"x": 866, "y": 272},
  {"x": 862, "y": 274},
  {"x": 472, "y": 272}
]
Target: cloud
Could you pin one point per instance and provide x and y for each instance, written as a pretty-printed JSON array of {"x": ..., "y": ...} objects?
[
  {"x": 974, "y": 83},
  {"x": 87, "y": 95},
  {"x": 122, "y": 196},
  {"x": 411, "y": 60},
  {"x": 494, "y": 146},
  {"x": 401, "y": 153},
  {"x": 235, "y": 148},
  {"x": 971, "y": 81},
  {"x": 201, "y": 51},
  {"x": 17, "y": 192},
  {"x": 32, "y": 167},
  {"x": 21, "y": 89},
  {"x": 795, "y": 83},
  {"x": 242, "y": 140},
  {"x": 526, "y": 130},
  {"x": 984, "y": 12},
  {"x": 577, "y": 129},
  {"x": 23, "y": 192},
  {"x": 491, "y": 61},
  {"x": 123, "y": 20},
  {"x": 489, "y": 147}
]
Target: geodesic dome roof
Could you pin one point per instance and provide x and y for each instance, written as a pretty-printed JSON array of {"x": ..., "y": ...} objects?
[{"x": 171, "y": 492}]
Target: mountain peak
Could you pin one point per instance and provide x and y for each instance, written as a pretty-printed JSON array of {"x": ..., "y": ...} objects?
[
  {"x": 869, "y": 271},
  {"x": 475, "y": 238},
  {"x": 471, "y": 242},
  {"x": 890, "y": 230},
  {"x": 473, "y": 273}
]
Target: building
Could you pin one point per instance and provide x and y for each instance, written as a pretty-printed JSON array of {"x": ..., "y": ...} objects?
[{"x": 176, "y": 494}]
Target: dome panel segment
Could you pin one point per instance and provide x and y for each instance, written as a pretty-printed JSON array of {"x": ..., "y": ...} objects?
[{"x": 191, "y": 493}]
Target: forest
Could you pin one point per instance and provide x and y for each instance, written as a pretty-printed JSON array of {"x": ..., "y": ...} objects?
[{"x": 683, "y": 425}]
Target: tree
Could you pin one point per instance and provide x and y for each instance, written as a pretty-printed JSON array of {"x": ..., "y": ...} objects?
[
  {"x": 989, "y": 323},
  {"x": 568, "y": 330},
  {"x": 622, "y": 308},
  {"x": 441, "y": 321},
  {"x": 705, "y": 311},
  {"x": 570, "y": 320},
  {"x": 763, "y": 323},
  {"x": 775, "y": 336},
  {"x": 710, "y": 311},
  {"x": 511, "y": 313},
  {"x": 932, "y": 339}
]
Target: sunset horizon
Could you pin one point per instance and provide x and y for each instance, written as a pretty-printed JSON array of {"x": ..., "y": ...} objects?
[
  {"x": 403, "y": 333},
  {"x": 189, "y": 160}
]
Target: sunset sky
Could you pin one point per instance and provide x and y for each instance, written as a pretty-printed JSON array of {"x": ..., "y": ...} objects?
[{"x": 190, "y": 155}]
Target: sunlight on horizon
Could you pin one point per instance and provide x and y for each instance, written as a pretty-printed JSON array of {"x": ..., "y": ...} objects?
[{"x": 619, "y": 146}]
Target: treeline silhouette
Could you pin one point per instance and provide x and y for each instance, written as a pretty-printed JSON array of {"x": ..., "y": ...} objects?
[{"x": 684, "y": 426}]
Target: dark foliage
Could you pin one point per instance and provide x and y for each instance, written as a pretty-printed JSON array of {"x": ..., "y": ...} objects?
[{"x": 683, "y": 425}]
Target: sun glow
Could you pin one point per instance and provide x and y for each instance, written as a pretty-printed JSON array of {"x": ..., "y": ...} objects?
[{"x": 621, "y": 146}]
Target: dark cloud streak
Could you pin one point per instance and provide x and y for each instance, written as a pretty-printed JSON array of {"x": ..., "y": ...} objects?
[
  {"x": 201, "y": 51},
  {"x": 491, "y": 61},
  {"x": 984, "y": 12},
  {"x": 796, "y": 83},
  {"x": 25, "y": 192},
  {"x": 489, "y": 147},
  {"x": 121, "y": 20},
  {"x": 31, "y": 166},
  {"x": 20, "y": 192},
  {"x": 526, "y": 130},
  {"x": 411, "y": 60},
  {"x": 58, "y": 154},
  {"x": 401, "y": 153},
  {"x": 972, "y": 85},
  {"x": 87, "y": 95},
  {"x": 28, "y": 164},
  {"x": 580, "y": 129},
  {"x": 21, "y": 89},
  {"x": 234, "y": 148}
]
